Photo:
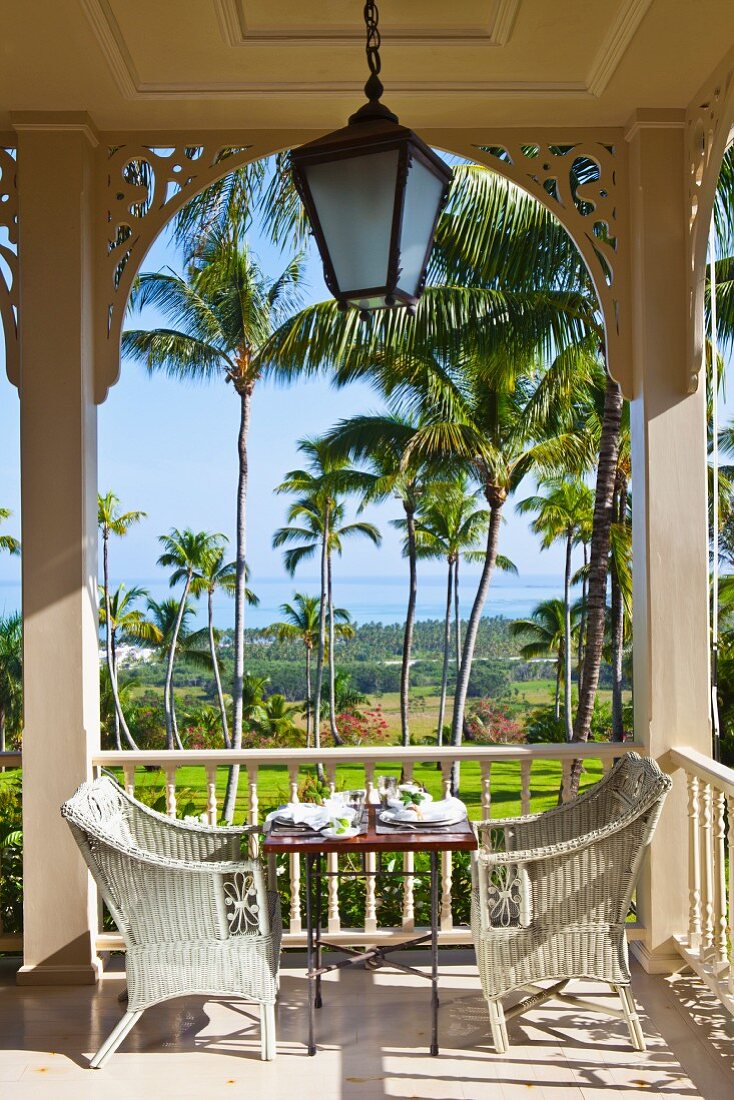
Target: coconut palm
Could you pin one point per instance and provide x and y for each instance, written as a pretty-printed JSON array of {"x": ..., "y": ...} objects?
[
  {"x": 174, "y": 636},
  {"x": 449, "y": 524},
  {"x": 562, "y": 511},
  {"x": 8, "y": 543},
  {"x": 214, "y": 573},
  {"x": 221, "y": 312},
  {"x": 186, "y": 553},
  {"x": 11, "y": 676},
  {"x": 383, "y": 439},
  {"x": 301, "y": 622},
  {"x": 316, "y": 523},
  {"x": 544, "y": 635},
  {"x": 111, "y": 521},
  {"x": 127, "y": 623}
]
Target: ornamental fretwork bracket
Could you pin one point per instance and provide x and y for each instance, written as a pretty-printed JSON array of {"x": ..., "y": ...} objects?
[
  {"x": 583, "y": 180},
  {"x": 709, "y": 121},
  {"x": 9, "y": 261},
  {"x": 140, "y": 189}
]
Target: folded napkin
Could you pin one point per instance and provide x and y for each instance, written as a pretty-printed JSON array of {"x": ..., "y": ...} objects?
[
  {"x": 307, "y": 813},
  {"x": 452, "y": 808}
]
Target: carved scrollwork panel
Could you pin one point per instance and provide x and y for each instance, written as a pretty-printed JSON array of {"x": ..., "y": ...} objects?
[
  {"x": 141, "y": 188},
  {"x": 709, "y": 121},
  {"x": 583, "y": 182},
  {"x": 9, "y": 261}
]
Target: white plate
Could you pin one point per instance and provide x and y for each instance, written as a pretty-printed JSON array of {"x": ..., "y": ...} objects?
[
  {"x": 345, "y": 834},
  {"x": 415, "y": 822}
]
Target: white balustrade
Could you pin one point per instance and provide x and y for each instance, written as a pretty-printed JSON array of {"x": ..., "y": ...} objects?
[
  {"x": 491, "y": 762},
  {"x": 706, "y": 944}
]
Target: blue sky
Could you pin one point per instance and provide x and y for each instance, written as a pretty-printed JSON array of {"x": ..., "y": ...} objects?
[{"x": 170, "y": 449}]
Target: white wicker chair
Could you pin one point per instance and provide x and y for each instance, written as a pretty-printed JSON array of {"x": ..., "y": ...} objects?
[
  {"x": 551, "y": 893},
  {"x": 195, "y": 915}
]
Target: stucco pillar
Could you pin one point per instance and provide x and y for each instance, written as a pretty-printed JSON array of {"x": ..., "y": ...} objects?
[
  {"x": 669, "y": 525},
  {"x": 59, "y": 534}
]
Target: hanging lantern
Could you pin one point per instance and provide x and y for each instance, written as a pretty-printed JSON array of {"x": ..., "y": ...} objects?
[{"x": 373, "y": 192}]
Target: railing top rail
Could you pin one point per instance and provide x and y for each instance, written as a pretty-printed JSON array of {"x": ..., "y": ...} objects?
[
  {"x": 690, "y": 760},
  {"x": 417, "y": 753},
  {"x": 10, "y": 759}
]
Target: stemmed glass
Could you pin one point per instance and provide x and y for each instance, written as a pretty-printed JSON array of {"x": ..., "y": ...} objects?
[{"x": 387, "y": 788}]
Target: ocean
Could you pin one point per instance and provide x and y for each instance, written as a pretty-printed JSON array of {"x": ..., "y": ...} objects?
[{"x": 367, "y": 599}]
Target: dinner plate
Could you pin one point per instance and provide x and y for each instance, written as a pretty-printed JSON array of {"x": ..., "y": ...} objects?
[{"x": 412, "y": 822}]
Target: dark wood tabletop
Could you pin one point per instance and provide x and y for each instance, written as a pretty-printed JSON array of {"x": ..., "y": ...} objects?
[{"x": 459, "y": 838}]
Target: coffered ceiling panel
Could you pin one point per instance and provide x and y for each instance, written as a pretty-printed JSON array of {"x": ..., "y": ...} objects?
[{"x": 224, "y": 63}]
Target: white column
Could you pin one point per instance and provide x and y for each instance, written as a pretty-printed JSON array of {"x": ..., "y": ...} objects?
[
  {"x": 59, "y": 534},
  {"x": 669, "y": 528}
]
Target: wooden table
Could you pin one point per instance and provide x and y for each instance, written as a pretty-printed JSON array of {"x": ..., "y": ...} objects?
[{"x": 313, "y": 847}]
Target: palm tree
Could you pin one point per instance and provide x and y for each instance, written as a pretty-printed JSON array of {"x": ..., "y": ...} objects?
[
  {"x": 111, "y": 521},
  {"x": 186, "y": 553},
  {"x": 544, "y": 635},
  {"x": 173, "y": 637},
  {"x": 222, "y": 313},
  {"x": 11, "y": 675},
  {"x": 212, "y": 574},
  {"x": 127, "y": 624},
  {"x": 316, "y": 523},
  {"x": 383, "y": 439},
  {"x": 8, "y": 543},
  {"x": 561, "y": 513},
  {"x": 301, "y": 622},
  {"x": 449, "y": 524}
]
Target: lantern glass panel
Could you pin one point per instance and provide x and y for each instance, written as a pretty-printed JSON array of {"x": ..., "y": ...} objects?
[
  {"x": 423, "y": 193},
  {"x": 354, "y": 199}
]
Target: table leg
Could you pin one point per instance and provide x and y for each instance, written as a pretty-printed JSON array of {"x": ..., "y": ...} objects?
[
  {"x": 434, "y": 953},
  {"x": 317, "y": 997},
  {"x": 310, "y": 962}
]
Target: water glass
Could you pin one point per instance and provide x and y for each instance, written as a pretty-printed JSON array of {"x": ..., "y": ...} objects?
[{"x": 387, "y": 788}]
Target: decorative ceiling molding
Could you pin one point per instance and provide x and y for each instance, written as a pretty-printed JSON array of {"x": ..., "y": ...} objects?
[
  {"x": 236, "y": 31},
  {"x": 230, "y": 14},
  {"x": 615, "y": 44}
]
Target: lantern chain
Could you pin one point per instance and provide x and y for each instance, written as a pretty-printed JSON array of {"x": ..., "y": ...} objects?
[{"x": 373, "y": 87}]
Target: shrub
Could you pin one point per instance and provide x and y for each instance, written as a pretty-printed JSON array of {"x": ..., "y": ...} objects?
[
  {"x": 543, "y": 727},
  {"x": 488, "y": 724},
  {"x": 367, "y": 727}
]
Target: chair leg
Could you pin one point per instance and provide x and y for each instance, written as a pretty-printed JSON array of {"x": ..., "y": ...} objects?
[
  {"x": 267, "y": 1032},
  {"x": 630, "y": 1014},
  {"x": 499, "y": 1026},
  {"x": 112, "y": 1042}
]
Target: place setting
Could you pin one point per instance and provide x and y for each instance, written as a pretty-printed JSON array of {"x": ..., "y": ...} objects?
[
  {"x": 338, "y": 817},
  {"x": 409, "y": 807}
]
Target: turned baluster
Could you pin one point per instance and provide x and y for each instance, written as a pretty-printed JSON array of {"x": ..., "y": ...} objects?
[
  {"x": 694, "y": 863},
  {"x": 169, "y": 771},
  {"x": 211, "y": 793}
]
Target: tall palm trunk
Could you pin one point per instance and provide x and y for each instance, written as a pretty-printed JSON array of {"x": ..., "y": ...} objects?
[
  {"x": 598, "y": 567},
  {"x": 457, "y": 616},
  {"x": 496, "y": 499},
  {"x": 168, "y": 699},
  {"x": 332, "y": 666},
  {"x": 617, "y": 614},
  {"x": 322, "y": 639},
  {"x": 309, "y": 696},
  {"x": 559, "y": 677},
  {"x": 567, "y": 652},
  {"x": 215, "y": 666},
  {"x": 582, "y": 620},
  {"x": 446, "y": 648},
  {"x": 120, "y": 723},
  {"x": 238, "y": 682},
  {"x": 409, "y": 624}
]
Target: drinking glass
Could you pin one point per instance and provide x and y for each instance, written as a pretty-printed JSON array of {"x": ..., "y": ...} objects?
[
  {"x": 387, "y": 788},
  {"x": 356, "y": 800}
]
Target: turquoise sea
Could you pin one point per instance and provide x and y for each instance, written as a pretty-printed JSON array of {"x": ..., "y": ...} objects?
[{"x": 368, "y": 599}]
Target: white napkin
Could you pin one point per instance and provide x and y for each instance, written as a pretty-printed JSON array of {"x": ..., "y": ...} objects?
[
  {"x": 307, "y": 813},
  {"x": 446, "y": 808}
]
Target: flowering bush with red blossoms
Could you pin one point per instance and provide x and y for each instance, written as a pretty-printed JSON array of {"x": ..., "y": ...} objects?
[
  {"x": 366, "y": 727},
  {"x": 487, "y": 724}
]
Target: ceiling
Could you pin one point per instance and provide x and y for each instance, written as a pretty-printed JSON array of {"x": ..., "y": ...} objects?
[{"x": 155, "y": 64}]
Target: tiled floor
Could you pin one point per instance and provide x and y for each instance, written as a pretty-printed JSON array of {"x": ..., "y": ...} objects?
[{"x": 372, "y": 1034}]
